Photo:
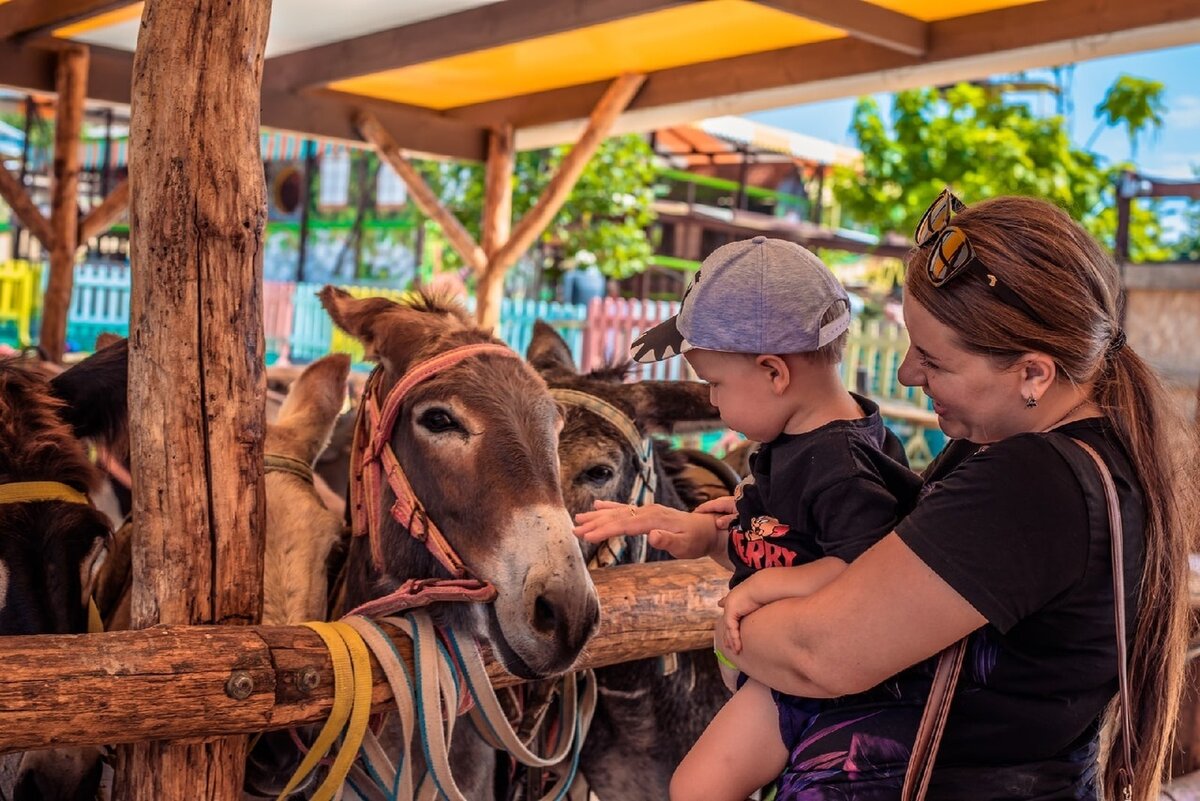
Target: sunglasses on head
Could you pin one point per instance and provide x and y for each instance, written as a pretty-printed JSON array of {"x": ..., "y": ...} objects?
[{"x": 952, "y": 254}]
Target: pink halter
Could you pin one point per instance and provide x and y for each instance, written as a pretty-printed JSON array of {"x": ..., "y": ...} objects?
[{"x": 372, "y": 458}]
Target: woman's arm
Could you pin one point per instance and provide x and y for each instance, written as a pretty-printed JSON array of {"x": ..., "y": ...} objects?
[
  {"x": 885, "y": 612},
  {"x": 773, "y": 584}
]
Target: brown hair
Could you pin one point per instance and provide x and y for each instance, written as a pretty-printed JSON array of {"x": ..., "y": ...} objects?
[{"x": 1065, "y": 276}]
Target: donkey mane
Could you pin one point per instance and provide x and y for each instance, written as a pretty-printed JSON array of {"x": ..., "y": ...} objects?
[
  {"x": 35, "y": 442},
  {"x": 437, "y": 303}
]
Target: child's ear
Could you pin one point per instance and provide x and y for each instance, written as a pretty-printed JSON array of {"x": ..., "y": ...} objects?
[{"x": 778, "y": 371}]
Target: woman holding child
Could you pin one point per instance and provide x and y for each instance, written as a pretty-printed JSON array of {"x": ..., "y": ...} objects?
[{"x": 1013, "y": 312}]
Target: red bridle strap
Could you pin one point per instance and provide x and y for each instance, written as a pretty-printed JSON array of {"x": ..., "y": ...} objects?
[{"x": 374, "y": 460}]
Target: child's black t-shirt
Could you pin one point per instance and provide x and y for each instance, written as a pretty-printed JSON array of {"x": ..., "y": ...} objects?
[{"x": 832, "y": 491}]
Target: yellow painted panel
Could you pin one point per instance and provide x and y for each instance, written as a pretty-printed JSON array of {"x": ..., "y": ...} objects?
[
  {"x": 688, "y": 34},
  {"x": 931, "y": 10},
  {"x": 99, "y": 21}
]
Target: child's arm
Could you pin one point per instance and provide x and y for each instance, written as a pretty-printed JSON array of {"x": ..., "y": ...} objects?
[
  {"x": 685, "y": 535},
  {"x": 773, "y": 584}
]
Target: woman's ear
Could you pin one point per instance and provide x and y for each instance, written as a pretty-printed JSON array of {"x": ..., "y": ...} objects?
[
  {"x": 777, "y": 370},
  {"x": 1038, "y": 374}
]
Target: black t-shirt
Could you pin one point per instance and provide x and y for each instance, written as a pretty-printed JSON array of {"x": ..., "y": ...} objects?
[
  {"x": 832, "y": 491},
  {"x": 1019, "y": 529}
]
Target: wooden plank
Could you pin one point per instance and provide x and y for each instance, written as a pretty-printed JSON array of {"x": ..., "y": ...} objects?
[
  {"x": 169, "y": 681},
  {"x": 862, "y": 20},
  {"x": 615, "y": 100},
  {"x": 14, "y": 194},
  {"x": 71, "y": 87},
  {"x": 965, "y": 37},
  {"x": 457, "y": 235},
  {"x": 102, "y": 217},
  {"x": 33, "y": 17},
  {"x": 474, "y": 29},
  {"x": 496, "y": 226},
  {"x": 196, "y": 376}
]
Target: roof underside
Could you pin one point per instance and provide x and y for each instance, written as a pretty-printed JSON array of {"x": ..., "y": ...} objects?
[{"x": 439, "y": 72}]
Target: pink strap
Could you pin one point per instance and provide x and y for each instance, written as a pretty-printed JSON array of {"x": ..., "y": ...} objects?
[{"x": 422, "y": 592}]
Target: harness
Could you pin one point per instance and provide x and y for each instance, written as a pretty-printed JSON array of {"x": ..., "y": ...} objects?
[
  {"x": 40, "y": 491},
  {"x": 373, "y": 460},
  {"x": 278, "y": 463},
  {"x": 626, "y": 550}
]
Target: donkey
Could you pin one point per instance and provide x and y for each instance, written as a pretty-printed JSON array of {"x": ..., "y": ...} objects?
[
  {"x": 52, "y": 542},
  {"x": 649, "y": 712},
  {"x": 477, "y": 442}
]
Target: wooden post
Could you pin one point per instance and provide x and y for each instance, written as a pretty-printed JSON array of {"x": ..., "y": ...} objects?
[
  {"x": 71, "y": 86},
  {"x": 497, "y": 223},
  {"x": 196, "y": 378}
]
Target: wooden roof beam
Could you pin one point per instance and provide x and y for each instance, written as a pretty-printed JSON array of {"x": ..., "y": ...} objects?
[
  {"x": 102, "y": 217},
  {"x": 862, "y": 20},
  {"x": 987, "y": 41},
  {"x": 22, "y": 206},
  {"x": 29, "y": 18},
  {"x": 451, "y": 35}
]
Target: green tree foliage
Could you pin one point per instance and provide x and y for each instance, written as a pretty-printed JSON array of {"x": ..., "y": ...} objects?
[
  {"x": 1137, "y": 103},
  {"x": 983, "y": 145},
  {"x": 605, "y": 217}
]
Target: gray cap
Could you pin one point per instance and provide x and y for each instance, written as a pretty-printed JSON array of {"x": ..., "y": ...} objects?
[{"x": 758, "y": 295}]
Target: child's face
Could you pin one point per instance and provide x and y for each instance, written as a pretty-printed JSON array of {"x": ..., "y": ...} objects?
[{"x": 741, "y": 390}]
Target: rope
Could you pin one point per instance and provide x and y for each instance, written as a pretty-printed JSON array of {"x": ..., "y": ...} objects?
[{"x": 448, "y": 679}]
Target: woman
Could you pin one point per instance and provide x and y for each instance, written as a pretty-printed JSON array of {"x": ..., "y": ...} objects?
[{"x": 1013, "y": 314}]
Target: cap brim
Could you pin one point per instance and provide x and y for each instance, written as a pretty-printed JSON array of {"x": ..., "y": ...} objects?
[{"x": 663, "y": 341}]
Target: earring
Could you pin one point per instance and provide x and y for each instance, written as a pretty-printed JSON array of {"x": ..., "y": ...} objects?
[{"x": 1031, "y": 402}]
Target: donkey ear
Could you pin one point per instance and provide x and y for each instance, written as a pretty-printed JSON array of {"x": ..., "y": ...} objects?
[
  {"x": 548, "y": 352},
  {"x": 313, "y": 403},
  {"x": 94, "y": 392},
  {"x": 356, "y": 317},
  {"x": 674, "y": 405}
]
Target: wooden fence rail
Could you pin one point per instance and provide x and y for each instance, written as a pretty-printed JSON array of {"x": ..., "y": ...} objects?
[{"x": 169, "y": 682}]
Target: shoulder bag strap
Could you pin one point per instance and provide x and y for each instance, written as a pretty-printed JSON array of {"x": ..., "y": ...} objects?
[
  {"x": 1117, "y": 543},
  {"x": 933, "y": 722}
]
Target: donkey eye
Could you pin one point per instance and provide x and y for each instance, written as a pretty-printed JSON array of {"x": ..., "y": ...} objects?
[
  {"x": 439, "y": 421},
  {"x": 598, "y": 474}
]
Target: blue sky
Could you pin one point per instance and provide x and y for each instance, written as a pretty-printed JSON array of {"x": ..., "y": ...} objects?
[{"x": 1169, "y": 154}]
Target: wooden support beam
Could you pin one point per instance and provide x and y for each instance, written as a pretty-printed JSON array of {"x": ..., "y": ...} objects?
[
  {"x": 124, "y": 687},
  {"x": 862, "y": 20},
  {"x": 71, "y": 86},
  {"x": 14, "y": 194},
  {"x": 429, "y": 204},
  {"x": 102, "y": 217},
  {"x": 497, "y": 222},
  {"x": 487, "y": 26},
  {"x": 616, "y": 99},
  {"x": 197, "y": 382},
  {"x": 35, "y": 17}
]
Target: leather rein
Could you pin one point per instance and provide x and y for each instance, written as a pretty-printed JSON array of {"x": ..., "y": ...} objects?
[{"x": 373, "y": 461}]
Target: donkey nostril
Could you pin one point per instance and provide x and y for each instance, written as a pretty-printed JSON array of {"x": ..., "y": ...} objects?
[{"x": 545, "y": 618}]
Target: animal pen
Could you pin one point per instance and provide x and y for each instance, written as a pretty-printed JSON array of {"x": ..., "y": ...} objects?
[{"x": 182, "y": 694}]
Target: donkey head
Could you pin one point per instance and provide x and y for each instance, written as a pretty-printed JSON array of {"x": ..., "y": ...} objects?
[
  {"x": 479, "y": 444},
  {"x": 598, "y": 462}
]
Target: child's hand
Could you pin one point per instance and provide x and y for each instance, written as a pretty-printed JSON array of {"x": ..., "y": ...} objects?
[
  {"x": 623, "y": 519},
  {"x": 729, "y": 671},
  {"x": 737, "y": 604}
]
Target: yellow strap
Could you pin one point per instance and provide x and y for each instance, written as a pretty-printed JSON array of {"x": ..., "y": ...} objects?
[
  {"x": 343, "y": 701},
  {"x": 95, "y": 622},
  {"x": 359, "y": 717},
  {"x": 31, "y": 491}
]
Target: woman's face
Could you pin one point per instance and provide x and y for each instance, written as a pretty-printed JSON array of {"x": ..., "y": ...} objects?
[{"x": 974, "y": 399}]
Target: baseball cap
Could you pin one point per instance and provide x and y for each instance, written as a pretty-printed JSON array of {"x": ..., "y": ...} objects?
[{"x": 756, "y": 295}]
